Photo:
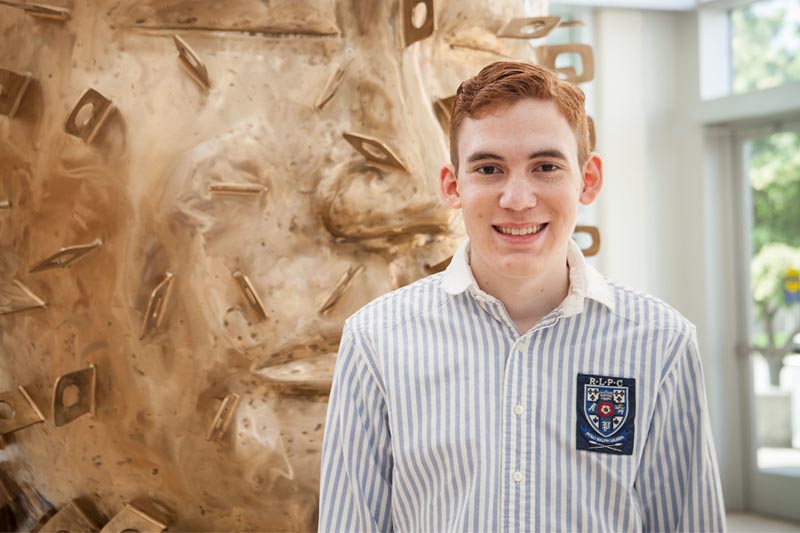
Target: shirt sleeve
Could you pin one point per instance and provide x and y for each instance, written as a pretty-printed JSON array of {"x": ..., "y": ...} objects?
[
  {"x": 678, "y": 482},
  {"x": 356, "y": 472}
]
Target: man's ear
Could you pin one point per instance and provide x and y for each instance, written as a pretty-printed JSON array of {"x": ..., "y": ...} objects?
[
  {"x": 448, "y": 186},
  {"x": 592, "y": 179}
]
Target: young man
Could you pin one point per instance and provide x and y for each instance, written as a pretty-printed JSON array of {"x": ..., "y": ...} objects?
[{"x": 519, "y": 390}]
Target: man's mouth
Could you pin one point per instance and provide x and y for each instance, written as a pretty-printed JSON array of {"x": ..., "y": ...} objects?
[{"x": 525, "y": 230}]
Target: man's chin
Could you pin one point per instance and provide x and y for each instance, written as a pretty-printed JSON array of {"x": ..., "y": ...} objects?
[{"x": 520, "y": 265}]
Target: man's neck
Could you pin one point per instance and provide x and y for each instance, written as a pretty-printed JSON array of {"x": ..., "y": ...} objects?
[{"x": 530, "y": 299}]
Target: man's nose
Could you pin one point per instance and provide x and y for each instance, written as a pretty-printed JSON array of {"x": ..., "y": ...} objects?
[{"x": 518, "y": 192}]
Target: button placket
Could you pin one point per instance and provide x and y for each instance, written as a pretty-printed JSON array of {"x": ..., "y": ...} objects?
[{"x": 513, "y": 408}]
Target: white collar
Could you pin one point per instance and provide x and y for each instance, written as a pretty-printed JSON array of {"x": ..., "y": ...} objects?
[{"x": 584, "y": 280}]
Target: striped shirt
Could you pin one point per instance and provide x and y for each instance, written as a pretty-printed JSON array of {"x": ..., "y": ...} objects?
[{"x": 443, "y": 417}]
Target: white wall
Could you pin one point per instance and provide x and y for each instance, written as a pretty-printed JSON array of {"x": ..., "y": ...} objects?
[{"x": 621, "y": 127}]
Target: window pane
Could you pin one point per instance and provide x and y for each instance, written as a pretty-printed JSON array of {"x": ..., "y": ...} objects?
[
  {"x": 765, "y": 44},
  {"x": 773, "y": 164}
]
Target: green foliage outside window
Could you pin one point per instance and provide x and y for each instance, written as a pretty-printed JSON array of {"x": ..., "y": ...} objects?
[
  {"x": 765, "y": 45},
  {"x": 775, "y": 181},
  {"x": 766, "y": 53}
]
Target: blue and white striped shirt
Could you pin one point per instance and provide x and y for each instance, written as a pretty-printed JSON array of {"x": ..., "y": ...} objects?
[{"x": 442, "y": 417}]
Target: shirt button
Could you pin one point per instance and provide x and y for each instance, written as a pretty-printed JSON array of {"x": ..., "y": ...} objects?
[
  {"x": 518, "y": 409},
  {"x": 517, "y": 477},
  {"x": 520, "y": 346}
]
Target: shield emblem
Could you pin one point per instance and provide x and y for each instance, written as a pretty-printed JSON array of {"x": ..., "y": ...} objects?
[{"x": 606, "y": 408}]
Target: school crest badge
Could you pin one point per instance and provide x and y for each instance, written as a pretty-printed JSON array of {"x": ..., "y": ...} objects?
[{"x": 606, "y": 409}]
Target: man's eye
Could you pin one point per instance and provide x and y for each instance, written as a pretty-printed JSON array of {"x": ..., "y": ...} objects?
[
  {"x": 487, "y": 169},
  {"x": 547, "y": 167}
]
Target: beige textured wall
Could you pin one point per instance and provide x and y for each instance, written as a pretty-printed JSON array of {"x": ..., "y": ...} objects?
[{"x": 142, "y": 187}]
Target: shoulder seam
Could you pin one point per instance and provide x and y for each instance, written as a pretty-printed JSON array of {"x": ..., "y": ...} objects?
[
  {"x": 422, "y": 284},
  {"x": 681, "y": 324},
  {"x": 402, "y": 290},
  {"x": 680, "y": 342},
  {"x": 371, "y": 360}
]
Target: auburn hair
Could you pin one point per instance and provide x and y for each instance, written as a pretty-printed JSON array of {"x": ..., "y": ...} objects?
[{"x": 505, "y": 82}]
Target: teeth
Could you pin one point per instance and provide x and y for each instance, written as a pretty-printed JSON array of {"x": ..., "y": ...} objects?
[{"x": 520, "y": 231}]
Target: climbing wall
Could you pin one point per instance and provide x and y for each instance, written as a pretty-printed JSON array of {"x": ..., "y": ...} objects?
[{"x": 193, "y": 197}]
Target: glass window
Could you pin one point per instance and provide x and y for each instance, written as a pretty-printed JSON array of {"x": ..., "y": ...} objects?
[
  {"x": 773, "y": 170},
  {"x": 765, "y": 44}
]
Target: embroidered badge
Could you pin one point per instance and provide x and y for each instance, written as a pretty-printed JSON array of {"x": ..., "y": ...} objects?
[{"x": 606, "y": 412}]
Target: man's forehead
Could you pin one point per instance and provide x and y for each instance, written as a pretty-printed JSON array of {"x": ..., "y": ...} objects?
[{"x": 533, "y": 124}]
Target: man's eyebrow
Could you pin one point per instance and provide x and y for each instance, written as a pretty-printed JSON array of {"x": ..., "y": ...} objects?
[
  {"x": 482, "y": 156},
  {"x": 558, "y": 154}
]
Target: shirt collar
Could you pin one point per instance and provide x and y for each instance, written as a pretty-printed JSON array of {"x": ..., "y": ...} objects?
[
  {"x": 584, "y": 280},
  {"x": 458, "y": 275}
]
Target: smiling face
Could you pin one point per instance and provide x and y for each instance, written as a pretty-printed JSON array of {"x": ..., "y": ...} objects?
[{"x": 519, "y": 183}]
